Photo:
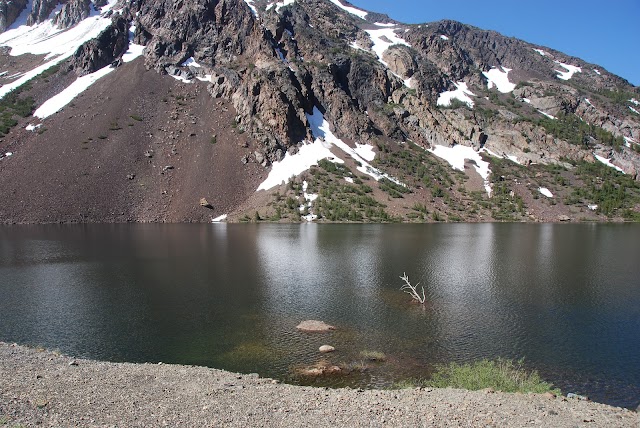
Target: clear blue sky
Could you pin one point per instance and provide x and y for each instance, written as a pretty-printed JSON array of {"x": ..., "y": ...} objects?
[{"x": 606, "y": 33}]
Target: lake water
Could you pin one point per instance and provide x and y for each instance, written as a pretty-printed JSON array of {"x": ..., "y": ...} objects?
[{"x": 564, "y": 297}]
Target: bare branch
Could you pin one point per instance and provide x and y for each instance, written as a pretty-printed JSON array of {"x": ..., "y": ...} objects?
[{"x": 412, "y": 290}]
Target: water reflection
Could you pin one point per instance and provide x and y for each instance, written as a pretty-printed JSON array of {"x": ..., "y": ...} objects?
[{"x": 566, "y": 297}]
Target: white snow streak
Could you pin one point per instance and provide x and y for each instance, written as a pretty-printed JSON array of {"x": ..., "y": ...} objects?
[
  {"x": 597, "y": 71},
  {"x": 546, "y": 114},
  {"x": 456, "y": 156},
  {"x": 566, "y": 75},
  {"x": 634, "y": 101},
  {"x": 383, "y": 39},
  {"x": 219, "y": 218},
  {"x": 546, "y": 192},
  {"x": 59, "y": 101},
  {"x": 252, "y": 7},
  {"x": 634, "y": 110},
  {"x": 608, "y": 163},
  {"x": 461, "y": 93},
  {"x": 352, "y": 10},
  {"x": 443, "y": 37},
  {"x": 541, "y": 52},
  {"x": 499, "y": 79}
]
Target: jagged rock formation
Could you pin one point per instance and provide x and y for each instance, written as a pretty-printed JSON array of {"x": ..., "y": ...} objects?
[
  {"x": 72, "y": 12},
  {"x": 9, "y": 11},
  {"x": 104, "y": 49},
  {"x": 40, "y": 11}
]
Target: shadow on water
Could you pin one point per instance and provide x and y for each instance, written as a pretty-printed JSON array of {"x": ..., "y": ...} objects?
[{"x": 564, "y": 297}]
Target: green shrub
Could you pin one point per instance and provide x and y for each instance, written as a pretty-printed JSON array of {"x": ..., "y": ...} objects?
[{"x": 500, "y": 375}]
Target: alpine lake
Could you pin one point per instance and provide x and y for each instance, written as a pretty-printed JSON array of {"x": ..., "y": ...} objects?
[{"x": 565, "y": 297}]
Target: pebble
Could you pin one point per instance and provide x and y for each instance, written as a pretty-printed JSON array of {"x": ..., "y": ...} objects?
[{"x": 326, "y": 348}]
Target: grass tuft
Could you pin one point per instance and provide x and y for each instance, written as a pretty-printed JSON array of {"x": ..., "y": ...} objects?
[{"x": 501, "y": 375}]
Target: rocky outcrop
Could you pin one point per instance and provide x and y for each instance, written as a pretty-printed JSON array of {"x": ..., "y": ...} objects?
[
  {"x": 40, "y": 11},
  {"x": 9, "y": 11},
  {"x": 103, "y": 50},
  {"x": 71, "y": 13}
]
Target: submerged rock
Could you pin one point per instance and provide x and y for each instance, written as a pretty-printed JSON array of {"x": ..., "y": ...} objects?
[{"x": 314, "y": 326}]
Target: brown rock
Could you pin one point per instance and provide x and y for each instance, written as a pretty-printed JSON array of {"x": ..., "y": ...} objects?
[
  {"x": 205, "y": 203},
  {"x": 314, "y": 326},
  {"x": 326, "y": 348}
]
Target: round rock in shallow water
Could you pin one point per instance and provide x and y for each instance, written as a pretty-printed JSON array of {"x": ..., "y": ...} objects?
[
  {"x": 314, "y": 326},
  {"x": 326, "y": 348}
]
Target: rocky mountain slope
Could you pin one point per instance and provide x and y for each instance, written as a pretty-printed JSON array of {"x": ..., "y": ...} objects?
[{"x": 300, "y": 110}]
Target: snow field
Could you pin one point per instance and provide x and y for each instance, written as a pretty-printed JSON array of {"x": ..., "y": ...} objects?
[
  {"x": 456, "y": 156},
  {"x": 352, "y": 10},
  {"x": 571, "y": 70},
  {"x": 383, "y": 39},
  {"x": 499, "y": 79}
]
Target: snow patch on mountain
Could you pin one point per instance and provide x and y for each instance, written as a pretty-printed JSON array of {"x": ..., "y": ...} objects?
[
  {"x": 292, "y": 165},
  {"x": 608, "y": 163},
  {"x": 456, "y": 157},
  {"x": 571, "y": 70},
  {"x": 352, "y": 10},
  {"x": 384, "y": 38},
  {"x": 59, "y": 101},
  {"x": 219, "y": 219},
  {"x": 595, "y": 70},
  {"x": 280, "y": 4},
  {"x": 461, "y": 93},
  {"x": 541, "y": 52},
  {"x": 443, "y": 37},
  {"x": 499, "y": 79},
  {"x": 252, "y": 7},
  {"x": 634, "y": 110},
  {"x": 309, "y": 199},
  {"x": 365, "y": 151},
  {"x": 546, "y": 192},
  {"x": 310, "y": 153},
  {"x": 321, "y": 129},
  {"x": 634, "y": 101},
  {"x": 546, "y": 114}
]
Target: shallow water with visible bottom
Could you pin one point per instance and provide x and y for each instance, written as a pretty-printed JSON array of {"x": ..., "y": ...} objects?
[{"x": 566, "y": 298}]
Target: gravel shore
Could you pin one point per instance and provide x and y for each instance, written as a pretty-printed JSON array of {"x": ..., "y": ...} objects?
[{"x": 43, "y": 388}]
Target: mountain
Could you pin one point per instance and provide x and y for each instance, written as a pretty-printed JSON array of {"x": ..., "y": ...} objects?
[{"x": 192, "y": 110}]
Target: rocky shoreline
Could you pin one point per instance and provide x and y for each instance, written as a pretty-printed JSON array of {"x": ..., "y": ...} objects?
[{"x": 44, "y": 388}]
